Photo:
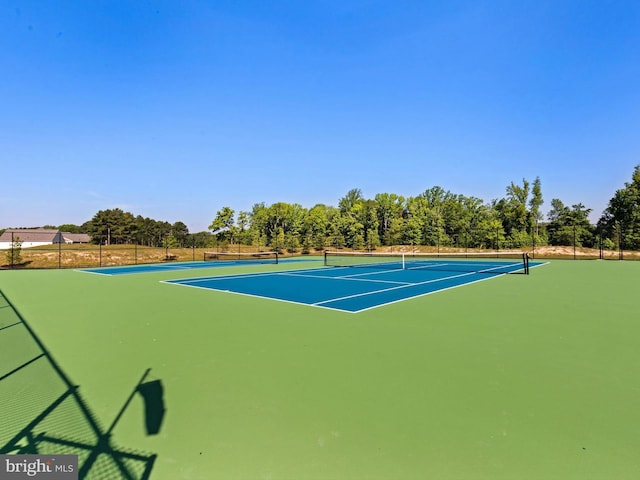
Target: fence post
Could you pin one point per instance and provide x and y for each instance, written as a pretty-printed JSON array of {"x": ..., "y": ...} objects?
[
  {"x": 533, "y": 240},
  {"x": 600, "y": 243},
  {"x": 621, "y": 243},
  {"x": 12, "y": 250}
]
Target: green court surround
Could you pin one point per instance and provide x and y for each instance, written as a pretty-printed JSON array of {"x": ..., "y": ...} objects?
[{"x": 521, "y": 377}]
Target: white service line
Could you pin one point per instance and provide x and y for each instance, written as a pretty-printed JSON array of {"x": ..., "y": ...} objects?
[{"x": 392, "y": 288}]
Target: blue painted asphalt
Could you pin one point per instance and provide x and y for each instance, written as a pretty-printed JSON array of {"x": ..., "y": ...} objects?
[
  {"x": 338, "y": 288},
  {"x": 176, "y": 266}
]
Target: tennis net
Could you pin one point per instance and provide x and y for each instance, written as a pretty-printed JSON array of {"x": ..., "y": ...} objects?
[
  {"x": 252, "y": 257},
  {"x": 477, "y": 262}
]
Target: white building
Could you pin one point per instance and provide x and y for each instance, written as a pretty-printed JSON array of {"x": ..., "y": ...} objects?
[
  {"x": 30, "y": 237},
  {"x": 75, "y": 237}
]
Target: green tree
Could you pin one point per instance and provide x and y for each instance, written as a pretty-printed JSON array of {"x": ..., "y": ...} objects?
[
  {"x": 417, "y": 209},
  {"x": 243, "y": 231},
  {"x": 112, "y": 226},
  {"x": 518, "y": 221},
  {"x": 535, "y": 203},
  {"x": 412, "y": 232},
  {"x": 180, "y": 232},
  {"x": 278, "y": 241},
  {"x": 476, "y": 214},
  {"x": 14, "y": 253},
  {"x": 149, "y": 232},
  {"x": 514, "y": 211},
  {"x": 199, "y": 239},
  {"x": 170, "y": 241},
  {"x": 390, "y": 208},
  {"x": 350, "y": 200},
  {"x": 569, "y": 226},
  {"x": 434, "y": 222},
  {"x": 292, "y": 242},
  {"x": 316, "y": 225},
  {"x": 70, "y": 228},
  {"x": 283, "y": 218},
  {"x": 367, "y": 215},
  {"x": 621, "y": 219},
  {"x": 335, "y": 238},
  {"x": 222, "y": 225},
  {"x": 353, "y": 216},
  {"x": 258, "y": 228}
]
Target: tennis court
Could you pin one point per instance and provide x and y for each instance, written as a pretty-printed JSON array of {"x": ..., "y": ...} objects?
[
  {"x": 221, "y": 260},
  {"x": 353, "y": 282},
  {"x": 520, "y": 376}
]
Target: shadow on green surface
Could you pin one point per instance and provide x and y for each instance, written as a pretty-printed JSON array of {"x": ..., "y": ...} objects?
[
  {"x": 43, "y": 412},
  {"x": 153, "y": 394}
]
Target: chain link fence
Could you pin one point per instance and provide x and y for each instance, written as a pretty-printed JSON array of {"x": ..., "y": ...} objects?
[
  {"x": 43, "y": 412},
  {"x": 50, "y": 249}
]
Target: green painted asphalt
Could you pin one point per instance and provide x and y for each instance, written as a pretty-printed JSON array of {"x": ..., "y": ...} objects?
[{"x": 520, "y": 377}]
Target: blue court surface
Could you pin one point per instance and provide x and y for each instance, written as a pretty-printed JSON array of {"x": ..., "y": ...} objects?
[
  {"x": 345, "y": 289},
  {"x": 172, "y": 267}
]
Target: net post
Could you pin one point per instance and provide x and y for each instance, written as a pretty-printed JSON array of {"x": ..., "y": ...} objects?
[
  {"x": 404, "y": 266},
  {"x": 277, "y": 257},
  {"x": 525, "y": 258},
  {"x": 325, "y": 258}
]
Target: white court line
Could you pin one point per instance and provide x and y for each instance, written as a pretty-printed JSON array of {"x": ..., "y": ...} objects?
[
  {"x": 184, "y": 281},
  {"x": 252, "y": 295},
  {"x": 348, "y": 277},
  {"x": 275, "y": 272},
  {"x": 320, "y": 304},
  {"x": 433, "y": 291},
  {"x": 93, "y": 273},
  {"x": 480, "y": 270},
  {"x": 142, "y": 268},
  {"x": 393, "y": 288},
  {"x": 422, "y": 294}
]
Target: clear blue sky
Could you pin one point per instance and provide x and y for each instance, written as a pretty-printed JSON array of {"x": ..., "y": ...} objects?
[{"x": 174, "y": 109}]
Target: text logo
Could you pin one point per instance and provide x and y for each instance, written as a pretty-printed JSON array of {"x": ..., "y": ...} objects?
[{"x": 41, "y": 467}]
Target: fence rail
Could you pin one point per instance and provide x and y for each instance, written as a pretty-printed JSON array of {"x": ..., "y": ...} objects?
[
  {"x": 74, "y": 256},
  {"x": 19, "y": 254}
]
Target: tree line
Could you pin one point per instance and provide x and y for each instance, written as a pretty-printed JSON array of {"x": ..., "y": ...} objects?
[{"x": 436, "y": 217}]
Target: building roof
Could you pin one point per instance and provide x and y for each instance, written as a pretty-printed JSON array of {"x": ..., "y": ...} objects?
[
  {"x": 76, "y": 237},
  {"x": 29, "y": 235}
]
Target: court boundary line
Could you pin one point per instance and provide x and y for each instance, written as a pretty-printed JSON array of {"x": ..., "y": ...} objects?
[
  {"x": 251, "y": 295},
  {"x": 158, "y": 268},
  {"x": 486, "y": 270},
  {"x": 182, "y": 283},
  {"x": 238, "y": 275},
  {"x": 183, "y": 265},
  {"x": 435, "y": 280},
  {"x": 481, "y": 279},
  {"x": 379, "y": 272},
  {"x": 92, "y": 273},
  {"x": 350, "y": 277},
  {"x": 319, "y": 304}
]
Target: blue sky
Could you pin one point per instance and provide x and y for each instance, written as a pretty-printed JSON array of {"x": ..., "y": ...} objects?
[{"x": 174, "y": 109}]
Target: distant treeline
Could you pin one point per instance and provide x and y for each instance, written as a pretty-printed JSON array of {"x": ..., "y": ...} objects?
[{"x": 436, "y": 217}]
